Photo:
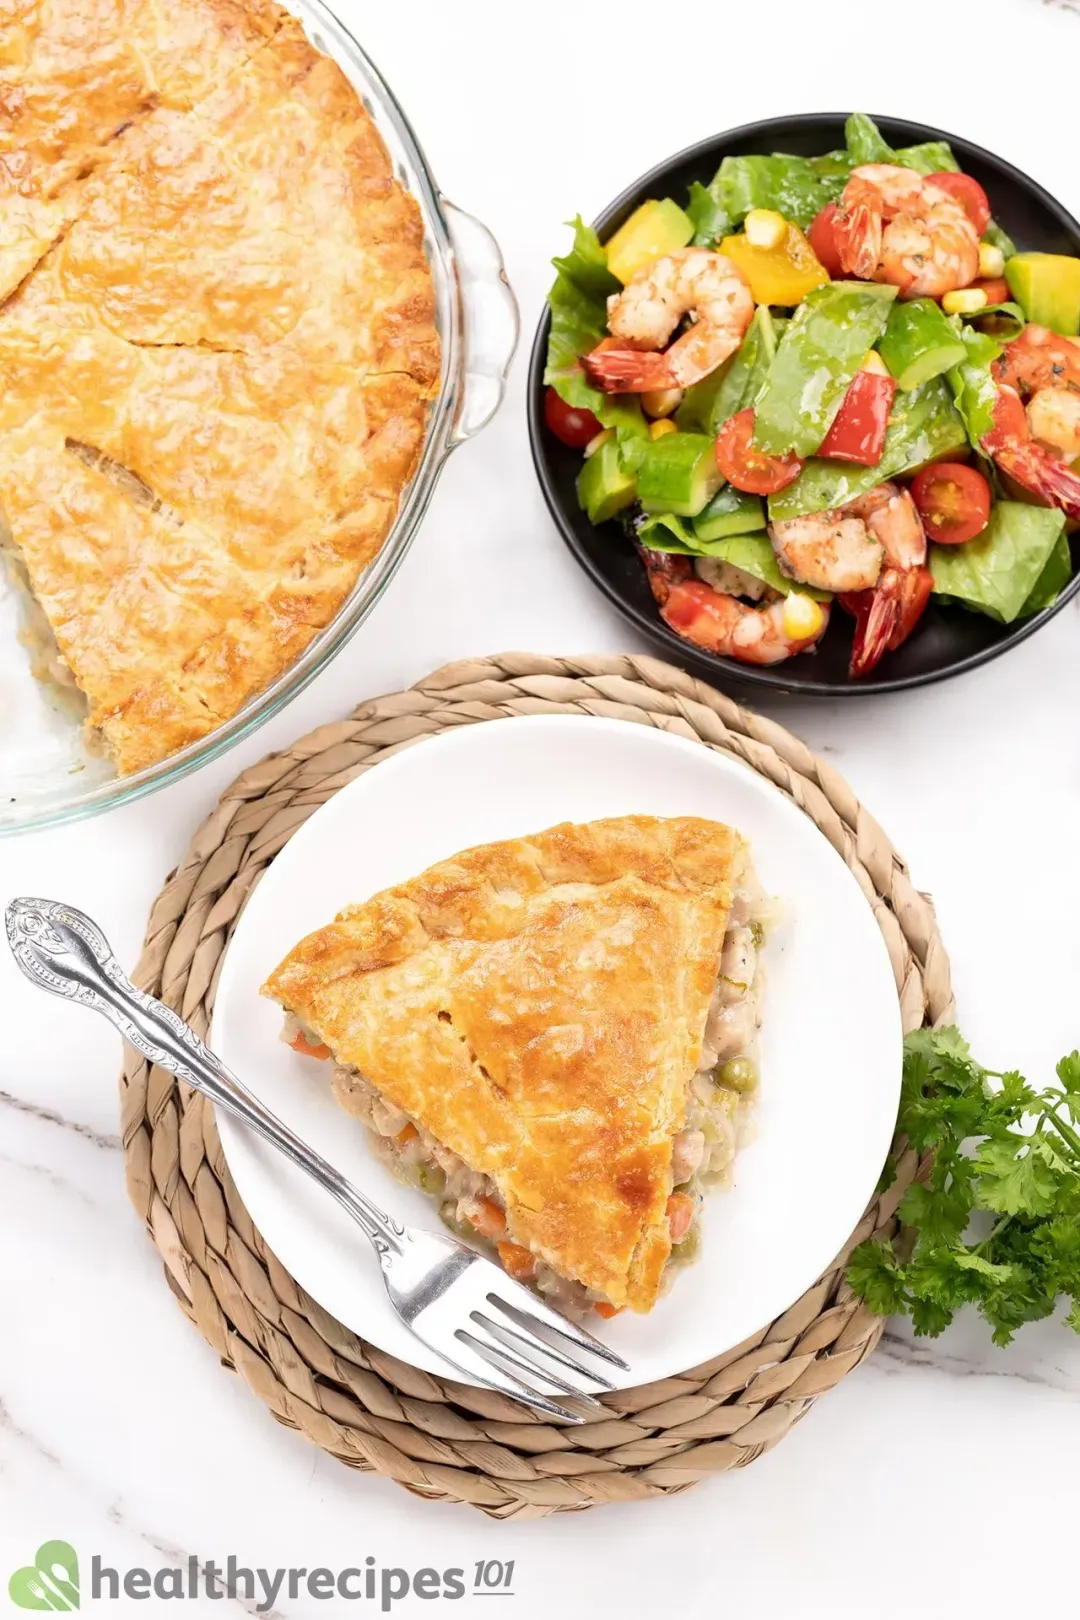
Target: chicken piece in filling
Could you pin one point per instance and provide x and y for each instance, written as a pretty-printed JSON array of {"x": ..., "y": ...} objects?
[{"x": 718, "y": 1121}]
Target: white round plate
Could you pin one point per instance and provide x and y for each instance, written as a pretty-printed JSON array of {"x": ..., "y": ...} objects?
[{"x": 831, "y": 1040}]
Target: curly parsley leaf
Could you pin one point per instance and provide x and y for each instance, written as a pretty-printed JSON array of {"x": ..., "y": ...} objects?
[
  {"x": 995, "y": 1221},
  {"x": 1016, "y": 1177}
]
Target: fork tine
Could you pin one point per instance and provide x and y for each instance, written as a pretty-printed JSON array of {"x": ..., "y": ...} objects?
[
  {"x": 495, "y": 1354},
  {"x": 529, "y": 1344},
  {"x": 477, "y": 1369},
  {"x": 527, "y": 1311}
]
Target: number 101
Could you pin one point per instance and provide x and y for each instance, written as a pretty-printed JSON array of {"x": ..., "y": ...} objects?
[{"x": 493, "y": 1573}]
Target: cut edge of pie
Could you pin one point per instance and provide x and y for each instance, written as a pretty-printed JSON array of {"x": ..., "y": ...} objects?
[{"x": 554, "y": 1037}]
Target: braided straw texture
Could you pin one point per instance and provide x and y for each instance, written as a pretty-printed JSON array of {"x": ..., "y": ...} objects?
[{"x": 440, "y": 1439}]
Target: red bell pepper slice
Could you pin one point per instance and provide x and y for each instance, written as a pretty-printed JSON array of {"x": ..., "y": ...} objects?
[{"x": 859, "y": 427}]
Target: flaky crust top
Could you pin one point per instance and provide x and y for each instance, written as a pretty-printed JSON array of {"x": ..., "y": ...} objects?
[
  {"x": 215, "y": 285},
  {"x": 538, "y": 1005}
]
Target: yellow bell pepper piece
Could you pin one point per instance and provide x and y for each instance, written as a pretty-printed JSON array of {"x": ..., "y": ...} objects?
[{"x": 778, "y": 275}]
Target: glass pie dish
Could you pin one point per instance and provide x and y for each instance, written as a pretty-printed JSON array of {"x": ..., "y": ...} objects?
[{"x": 48, "y": 774}]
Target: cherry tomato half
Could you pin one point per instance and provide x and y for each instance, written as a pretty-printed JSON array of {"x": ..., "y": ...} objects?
[
  {"x": 996, "y": 290},
  {"x": 822, "y": 238},
  {"x": 746, "y": 467},
  {"x": 968, "y": 193},
  {"x": 573, "y": 425},
  {"x": 953, "y": 502}
]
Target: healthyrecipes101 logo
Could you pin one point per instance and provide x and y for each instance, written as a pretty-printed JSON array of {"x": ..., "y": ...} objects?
[{"x": 52, "y": 1582}]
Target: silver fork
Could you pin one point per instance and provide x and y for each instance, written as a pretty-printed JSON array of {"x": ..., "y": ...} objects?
[{"x": 483, "y": 1323}]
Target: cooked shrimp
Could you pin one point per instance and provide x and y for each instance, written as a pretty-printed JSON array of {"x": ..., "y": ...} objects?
[
  {"x": 845, "y": 549},
  {"x": 729, "y": 580},
  {"x": 829, "y": 551},
  {"x": 752, "y": 633},
  {"x": 1016, "y": 452},
  {"x": 1044, "y": 368},
  {"x": 896, "y": 227},
  {"x": 886, "y": 614},
  {"x": 693, "y": 281},
  {"x": 1054, "y": 419},
  {"x": 1037, "y": 359}
]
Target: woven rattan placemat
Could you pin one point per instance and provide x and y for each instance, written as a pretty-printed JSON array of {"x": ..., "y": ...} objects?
[{"x": 440, "y": 1439}]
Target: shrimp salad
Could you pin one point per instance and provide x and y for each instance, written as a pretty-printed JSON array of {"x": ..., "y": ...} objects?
[{"x": 824, "y": 382}]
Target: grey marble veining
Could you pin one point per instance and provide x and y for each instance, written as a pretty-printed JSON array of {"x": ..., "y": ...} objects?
[{"x": 23, "y": 1105}]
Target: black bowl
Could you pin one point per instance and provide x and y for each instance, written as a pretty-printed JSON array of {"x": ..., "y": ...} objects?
[{"x": 948, "y": 640}]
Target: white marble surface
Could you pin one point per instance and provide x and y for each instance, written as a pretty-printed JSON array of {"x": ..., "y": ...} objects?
[{"x": 940, "y": 1478}]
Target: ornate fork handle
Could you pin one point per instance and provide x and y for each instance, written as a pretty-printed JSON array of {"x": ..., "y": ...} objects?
[{"x": 60, "y": 949}]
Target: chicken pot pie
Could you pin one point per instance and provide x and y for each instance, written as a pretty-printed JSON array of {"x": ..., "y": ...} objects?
[
  {"x": 217, "y": 350},
  {"x": 555, "y": 1038}
]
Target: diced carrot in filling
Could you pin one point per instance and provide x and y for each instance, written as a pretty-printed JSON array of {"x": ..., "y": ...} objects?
[
  {"x": 602, "y": 1308},
  {"x": 486, "y": 1216},
  {"x": 517, "y": 1261},
  {"x": 680, "y": 1212},
  {"x": 407, "y": 1134},
  {"x": 301, "y": 1044}
]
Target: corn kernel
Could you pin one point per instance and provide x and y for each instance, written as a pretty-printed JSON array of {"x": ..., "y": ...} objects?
[
  {"x": 597, "y": 440},
  {"x": 991, "y": 261},
  {"x": 661, "y": 401},
  {"x": 765, "y": 228},
  {"x": 803, "y": 617},
  {"x": 965, "y": 301},
  {"x": 876, "y": 364},
  {"x": 658, "y": 429}
]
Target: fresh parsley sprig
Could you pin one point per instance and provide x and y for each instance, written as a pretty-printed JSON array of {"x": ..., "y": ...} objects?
[{"x": 996, "y": 1221}]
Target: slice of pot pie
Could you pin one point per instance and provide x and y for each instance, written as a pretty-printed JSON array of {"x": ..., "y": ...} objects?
[
  {"x": 555, "y": 1038},
  {"x": 217, "y": 350}
]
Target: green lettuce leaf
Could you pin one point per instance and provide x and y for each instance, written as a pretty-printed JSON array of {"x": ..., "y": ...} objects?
[
  {"x": 824, "y": 345},
  {"x": 586, "y": 263},
  {"x": 664, "y": 531},
  {"x": 796, "y": 187},
  {"x": 925, "y": 426},
  {"x": 972, "y": 383},
  {"x": 753, "y": 553},
  {"x": 708, "y": 216},
  {"x": 707, "y": 405},
  {"x": 998, "y": 572},
  {"x": 1007, "y": 320},
  {"x": 866, "y": 144},
  {"x": 577, "y": 301},
  {"x": 999, "y": 238},
  {"x": 1052, "y": 581}
]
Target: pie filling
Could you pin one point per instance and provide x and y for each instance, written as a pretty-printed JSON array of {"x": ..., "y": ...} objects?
[
  {"x": 47, "y": 661},
  {"x": 719, "y": 1120}
]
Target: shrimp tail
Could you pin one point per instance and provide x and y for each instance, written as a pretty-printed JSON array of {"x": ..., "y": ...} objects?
[
  {"x": 628, "y": 371},
  {"x": 886, "y": 615},
  {"x": 858, "y": 232},
  {"x": 1052, "y": 481},
  {"x": 665, "y": 570}
]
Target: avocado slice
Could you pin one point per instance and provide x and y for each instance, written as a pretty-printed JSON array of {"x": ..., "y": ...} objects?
[
  {"x": 603, "y": 488},
  {"x": 659, "y": 226},
  {"x": 1047, "y": 288}
]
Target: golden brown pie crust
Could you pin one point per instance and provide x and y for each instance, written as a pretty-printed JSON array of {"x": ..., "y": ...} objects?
[
  {"x": 213, "y": 278},
  {"x": 538, "y": 1006}
]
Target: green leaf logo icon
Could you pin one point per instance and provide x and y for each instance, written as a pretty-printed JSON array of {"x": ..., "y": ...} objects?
[{"x": 50, "y": 1582}]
